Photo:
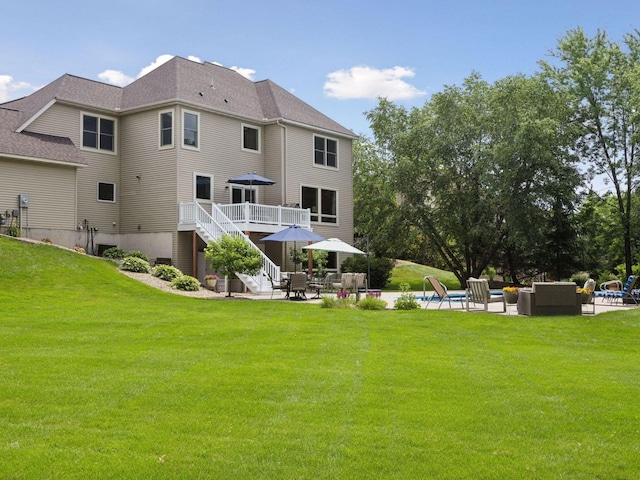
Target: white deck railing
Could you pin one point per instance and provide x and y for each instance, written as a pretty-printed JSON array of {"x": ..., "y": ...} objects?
[
  {"x": 217, "y": 225},
  {"x": 267, "y": 214}
]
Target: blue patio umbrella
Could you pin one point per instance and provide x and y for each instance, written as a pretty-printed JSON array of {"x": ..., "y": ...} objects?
[
  {"x": 294, "y": 233},
  {"x": 251, "y": 179}
]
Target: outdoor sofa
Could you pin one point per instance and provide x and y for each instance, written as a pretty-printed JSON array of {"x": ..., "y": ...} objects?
[{"x": 550, "y": 298}]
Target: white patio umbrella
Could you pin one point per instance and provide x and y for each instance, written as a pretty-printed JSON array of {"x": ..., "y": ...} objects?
[
  {"x": 334, "y": 245},
  {"x": 337, "y": 245}
]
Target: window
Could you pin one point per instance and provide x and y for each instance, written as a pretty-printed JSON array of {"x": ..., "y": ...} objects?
[
  {"x": 166, "y": 129},
  {"x": 325, "y": 151},
  {"x": 106, "y": 192},
  {"x": 323, "y": 204},
  {"x": 190, "y": 131},
  {"x": 98, "y": 133},
  {"x": 202, "y": 187},
  {"x": 250, "y": 138}
]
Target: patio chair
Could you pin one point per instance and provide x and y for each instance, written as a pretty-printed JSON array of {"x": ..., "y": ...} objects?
[
  {"x": 346, "y": 282},
  {"x": 627, "y": 293},
  {"x": 439, "y": 291},
  {"x": 590, "y": 285},
  {"x": 281, "y": 285},
  {"x": 298, "y": 285},
  {"x": 479, "y": 292}
]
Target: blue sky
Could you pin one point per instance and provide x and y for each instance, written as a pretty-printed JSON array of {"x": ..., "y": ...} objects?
[{"x": 338, "y": 56}]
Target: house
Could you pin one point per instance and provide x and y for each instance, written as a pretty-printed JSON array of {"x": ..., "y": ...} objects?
[{"x": 146, "y": 166}]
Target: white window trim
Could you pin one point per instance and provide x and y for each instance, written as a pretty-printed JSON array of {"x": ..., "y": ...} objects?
[
  {"x": 195, "y": 177},
  {"x": 319, "y": 213},
  {"x": 313, "y": 156},
  {"x": 115, "y": 193},
  {"x": 189, "y": 147},
  {"x": 115, "y": 134},
  {"x": 242, "y": 126},
  {"x": 173, "y": 129}
]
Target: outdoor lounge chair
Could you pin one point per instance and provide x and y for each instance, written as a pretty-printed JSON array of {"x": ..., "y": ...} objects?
[
  {"x": 439, "y": 292},
  {"x": 627, "y": 293},
  {"x": 479, "y": 293}
]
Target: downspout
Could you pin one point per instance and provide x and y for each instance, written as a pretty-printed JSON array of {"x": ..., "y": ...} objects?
[
  {"x": 283, "y": 173},
  {"x": 283, "y": 161}
]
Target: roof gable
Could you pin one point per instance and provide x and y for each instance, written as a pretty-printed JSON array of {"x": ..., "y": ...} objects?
[{"x": 207, "y": 85}]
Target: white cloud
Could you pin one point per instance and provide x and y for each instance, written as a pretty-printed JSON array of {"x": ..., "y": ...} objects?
[
  {"x": 10, "y": 89},
  {"x": 367, "y": 82},
  {"x": 245, "y": 72},
  {"x": 115, "y": 77}
]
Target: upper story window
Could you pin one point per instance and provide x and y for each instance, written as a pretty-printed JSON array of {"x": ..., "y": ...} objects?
[
  {"x": 325, "y": 151},
  {"x": 250, "y": 138},
  {"x": 191, "y": 130},
  {"x": 322, "y": 202},
  {"x": 166, "y": 129},
  {"x": 98, "y": 132},
  {"x": 106, "y": 192},
  {"x": 203, "y": 187}
]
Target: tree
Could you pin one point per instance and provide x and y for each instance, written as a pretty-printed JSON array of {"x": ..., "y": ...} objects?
[
  {"x": 479, "y": 166},
  {"x": 231, "y": 255},
  {"x": 602, "y": 81}
]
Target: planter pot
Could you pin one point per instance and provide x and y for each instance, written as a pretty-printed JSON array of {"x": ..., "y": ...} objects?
[
  {"x": 510, "y": 297},
  {"x": 211, "y": 283}
]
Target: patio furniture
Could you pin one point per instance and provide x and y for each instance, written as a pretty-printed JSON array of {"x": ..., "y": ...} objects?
[
  {"x": 298, "y": 286},
  {"x": 439, "y": 291},
  {"x": 627, "y": 292},
  {"x": 479, "y": 292},
  {"x": 283, "y": 284},
  {"x": 317, "y": 286},
  {"x": 589, "y": 300},
  {"x": 550, "y": 298},
  {"x": 346, "y": 282}
]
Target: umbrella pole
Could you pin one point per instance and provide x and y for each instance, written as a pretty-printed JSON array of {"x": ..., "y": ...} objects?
[{"x": 310, "y": 262}]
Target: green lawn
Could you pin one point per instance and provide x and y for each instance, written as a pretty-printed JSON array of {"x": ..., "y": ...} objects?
[
  {"x": 413, "y": 274},
  {"x": 103, "y": 377}
]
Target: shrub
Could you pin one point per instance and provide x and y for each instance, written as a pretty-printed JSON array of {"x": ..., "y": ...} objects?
[
  {"x": 135, "y": 264},
  {"x": 185, "y": 282},
  {"x": 327, "y": 302},
  {"x": 406, "y": 301},
  {"x": 381, "y": 269},
  {"x": 13, "y": 231},
  {"x": 114, "y": 253},
  {"x": 579, "y": 278},
  {"x": 166, "y": 272},
  {"x": 372, "y": 303},
  {"x": 337, "y": 302},
  {"x": 138, "y": 254}
]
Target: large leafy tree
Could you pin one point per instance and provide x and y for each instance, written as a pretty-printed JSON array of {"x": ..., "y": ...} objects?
[
  {"x": 479, "y": 167},
  {"x": 602, "y": 80}
]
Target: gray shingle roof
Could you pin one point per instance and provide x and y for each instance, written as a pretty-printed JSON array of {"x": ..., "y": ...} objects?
[
  {"x": 205, "y": 85},
  {"x": 34, "y": 145},
  {"x": 179, "y": 80}
]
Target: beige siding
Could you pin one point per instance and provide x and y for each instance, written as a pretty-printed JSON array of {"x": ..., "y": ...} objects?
[
  {"x": 51, "y": 190},
  {"x": 220, "y": 154},
  {"x": 300, "y": 170},
  {"x": 148, "y": 176},
  {"x": 66, "y": 121},
  {"x": 273, "y": 146}
]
